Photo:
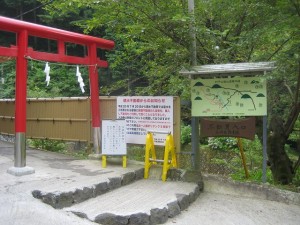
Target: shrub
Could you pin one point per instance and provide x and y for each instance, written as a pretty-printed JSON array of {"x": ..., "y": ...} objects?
[
  {"x": 222, "y": 143},
  {"x": 186, "y": 134},
  {"x": 50, "y": 145}
]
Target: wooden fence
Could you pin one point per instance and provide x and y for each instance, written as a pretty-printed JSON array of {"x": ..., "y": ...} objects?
[{"x": 66, "y": 118}]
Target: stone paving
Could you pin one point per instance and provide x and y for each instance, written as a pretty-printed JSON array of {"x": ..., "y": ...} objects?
[
  {"x": 63, "y": 186},
  {"x": 64, "y": 191}
]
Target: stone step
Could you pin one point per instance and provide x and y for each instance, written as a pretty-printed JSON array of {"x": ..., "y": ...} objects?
[
  {"x": 60, "y": 196},
  {"x": 124, "y": 197},
  {"x": 142, "y": 202}
]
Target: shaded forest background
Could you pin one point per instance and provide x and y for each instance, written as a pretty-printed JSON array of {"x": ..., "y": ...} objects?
[{"x": 153, "y": 44}]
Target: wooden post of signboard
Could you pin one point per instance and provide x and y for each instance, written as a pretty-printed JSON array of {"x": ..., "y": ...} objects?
[{"x": 240, "y": 145}]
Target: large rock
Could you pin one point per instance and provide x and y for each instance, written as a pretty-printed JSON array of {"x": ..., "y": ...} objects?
[
  {"x": 81, "y": 195},
  {"x": 111, "y": 219},
  {"x": 173, "y": 209},
  {"x": 139, "y": 174},
  {"x": 183, "y": 201},
  {"x": 158, "y": 216},
  {"x": 139, "y": 219},
  {"x": 114, "y": 183},
  {"x": 128, "y": 178},
  {"x": 100, "y": 189}
]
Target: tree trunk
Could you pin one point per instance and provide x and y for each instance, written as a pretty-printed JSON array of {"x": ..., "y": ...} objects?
[{"x": 280, "y": 164}]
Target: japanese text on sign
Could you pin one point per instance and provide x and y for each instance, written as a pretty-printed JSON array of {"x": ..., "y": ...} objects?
[
  {"x": 144, "y": 113},
  {"x": 114, "y": 137},
  {"x": 244, "y": 128}
]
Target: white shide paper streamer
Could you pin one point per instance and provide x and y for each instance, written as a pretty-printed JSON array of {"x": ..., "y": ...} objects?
[
  {"x": 47, "y": 72},
  {"x": 79, "y": 79}
]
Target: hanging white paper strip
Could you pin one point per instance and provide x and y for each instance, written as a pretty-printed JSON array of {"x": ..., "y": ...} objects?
[
  {"x": 47, "y": 72},
  {"x": 79, "y": 79}
]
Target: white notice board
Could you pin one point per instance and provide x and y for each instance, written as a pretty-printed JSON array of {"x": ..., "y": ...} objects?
[
  {"x": 114, "y": 137},
  {"x": 146, "y": 113}
]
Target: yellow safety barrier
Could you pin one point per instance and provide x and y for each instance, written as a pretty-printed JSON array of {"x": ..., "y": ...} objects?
[{"x": 150, "y": 155}]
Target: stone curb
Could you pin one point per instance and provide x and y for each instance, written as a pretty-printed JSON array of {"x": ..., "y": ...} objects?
[
  {"x": 156, "y": 216},
  {"x": 59, "y": 200}
]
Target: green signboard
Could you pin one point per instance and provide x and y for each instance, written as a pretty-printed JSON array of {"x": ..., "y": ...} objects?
[{"x": 238, "y": 96}]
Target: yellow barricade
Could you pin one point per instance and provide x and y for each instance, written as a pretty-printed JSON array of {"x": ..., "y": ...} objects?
[{"x": 150, "y": 155}]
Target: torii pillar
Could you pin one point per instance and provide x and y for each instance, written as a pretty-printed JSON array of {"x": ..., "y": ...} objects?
[{"x": 20, "y": 167}]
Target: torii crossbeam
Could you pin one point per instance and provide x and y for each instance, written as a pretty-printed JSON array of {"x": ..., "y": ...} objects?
[{"x": 21, "y": 52}]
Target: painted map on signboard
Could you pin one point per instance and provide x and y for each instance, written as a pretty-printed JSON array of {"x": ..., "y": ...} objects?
[{"x": 238, "y": 96}]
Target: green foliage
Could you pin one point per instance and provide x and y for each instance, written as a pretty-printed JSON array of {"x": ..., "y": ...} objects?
[
  {"x": 57, "y": 146},
  {"x": 222, "y": 143},
  {"x": 223, "y": 157},
  {"x": 51, "y": 145},
  {"x": 296, "y": 180},
  {"x": 63, "y": 81},
  {"x": 186, "y": 134},
  {"x": 7, "y": 75},
  {"x": 255, "y": 175},
  {"x": 150, "y": 42},
  {"x": 136, "y": 152}
]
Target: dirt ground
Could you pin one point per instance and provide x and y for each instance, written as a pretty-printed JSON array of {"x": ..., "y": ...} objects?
[{"x": 216, "y": 209}]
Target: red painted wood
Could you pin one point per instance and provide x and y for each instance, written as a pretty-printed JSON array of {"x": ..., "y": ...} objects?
[
  {"x": 21, "y": 83},
  {"x": 93, "y": 73},
  {"x": 12, "y": 51},
  {"x": 12, "y": 25}
]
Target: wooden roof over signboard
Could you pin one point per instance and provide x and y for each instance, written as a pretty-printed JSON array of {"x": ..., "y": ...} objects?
[{"x": 230, "y": 68}]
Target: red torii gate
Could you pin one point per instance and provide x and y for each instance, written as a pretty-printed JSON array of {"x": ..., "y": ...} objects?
[{"x": 21, "y": 52}]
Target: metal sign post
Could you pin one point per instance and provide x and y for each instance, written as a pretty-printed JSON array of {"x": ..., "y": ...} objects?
[{"x": 264, "y": 169}]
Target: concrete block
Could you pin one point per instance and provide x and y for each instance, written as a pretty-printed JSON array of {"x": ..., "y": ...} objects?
[
  {"x": 20, "y": 171},
  {"x": 173, "y": 209},
  {"x": 64, "y": 199},
  {"x": 111, "y": 219},
  {"x": 183, "y": 201},
  {"x": 50, "y": 199},
  {"x": 114, "y": 183},
  {"x": 37, "y": 194},
  {"x": 139, "y": 174},
  {"x": 81, "y": 195},
  {"x": 100, "y": 189},
  {"x": 159, "y": 216},
  {"x": 128, "y": 178},
  {"x": 194, "y": 194},
  {"x": 80, "y": 214},
  {"x": 139, "y": 219}
]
